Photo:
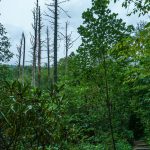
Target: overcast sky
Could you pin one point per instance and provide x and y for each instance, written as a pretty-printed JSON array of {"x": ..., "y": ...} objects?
[{"x": 16, "y": 16}]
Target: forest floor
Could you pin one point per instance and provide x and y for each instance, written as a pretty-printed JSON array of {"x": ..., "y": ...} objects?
[{"x": 141, "y": 145}]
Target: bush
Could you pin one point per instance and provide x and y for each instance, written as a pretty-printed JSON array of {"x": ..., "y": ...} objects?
[{"x": 31, "y": 118}]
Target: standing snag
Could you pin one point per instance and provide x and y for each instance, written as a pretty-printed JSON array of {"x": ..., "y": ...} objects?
[{"x": 55, "y": 8}]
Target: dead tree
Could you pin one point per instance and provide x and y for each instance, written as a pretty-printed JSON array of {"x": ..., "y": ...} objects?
[
  {"x": 34, "y": 41},
  {"x": 55, "y": 9},
  {"x": 39, "y": 46},
  {"x": 19, "y": 48},
  {"x": 55, "y": 41},
  {"x": 36, "y": 45},
  {"x": 21, "y": 56},
  {"x": 24, "y": 50},
  {"x": 48, "y": 56},
  {"x": 68, "y": 44}
]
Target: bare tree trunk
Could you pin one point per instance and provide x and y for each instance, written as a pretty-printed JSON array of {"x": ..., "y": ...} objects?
[
  {"x": 48, "y": 57},
  {"x": 35, "y": 27},
  {"x": 67, "y": 47},
  {"x": 24, "y": 49},
  {"x": 39, "y": 47},
  {"x": 55, "y": 12},
  {"x": 34, "y": 58},
  {"x": 55, "y": 41},
  {"x": 19, "y": 58},
  {"x": 68, "y": 44}
]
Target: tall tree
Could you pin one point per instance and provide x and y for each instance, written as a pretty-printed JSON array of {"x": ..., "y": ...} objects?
[
  {"x": 69, "y": 42},
  {"x": 67, "y": 48},
  {"x": 39, "y": 46},
  {"x": 55, "y": 41},
  {"x": 48, "y": 56},
  {"x": 55, "y": 9},
  {"x": 24, "y": 53},
  {"x": 34, "y": 43},
  {"x": 19, "y": 48},
  {"x": 100, "y": 31},
  {"x": 21, "y": 56}
]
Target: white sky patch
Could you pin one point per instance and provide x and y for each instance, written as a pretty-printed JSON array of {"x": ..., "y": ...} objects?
[{"x": 16, "y": 16}]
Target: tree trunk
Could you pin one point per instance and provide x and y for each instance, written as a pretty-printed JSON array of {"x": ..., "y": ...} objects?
[
  {"x": 35, "y": 27},
  {"x": 48, "y": 57},
  {"x": 108, "y": 103},
  {"x": 39, "y": 48},
  {"x": 67, "y": 47},
  {"x": 19, "y": 57},
  {"x": 55, "y": 41},
  {"x": 24, "y": 48}
]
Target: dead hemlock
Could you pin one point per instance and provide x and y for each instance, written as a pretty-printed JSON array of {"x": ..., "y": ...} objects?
[{"x": 55, "y": 9}]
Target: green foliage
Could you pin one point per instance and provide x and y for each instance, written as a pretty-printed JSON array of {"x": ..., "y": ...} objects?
[
  {"x": 4, "y": 72},
  {"x": 5, "y": 54},
  {"x": 31, "y": 118},
  {"x": 141, "y": 7},
  {"x": 107, "y": 82},
  {"x": 101, "y": 30}
]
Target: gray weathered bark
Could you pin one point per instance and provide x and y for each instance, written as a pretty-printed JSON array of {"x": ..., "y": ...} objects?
[
  {"x": 55, "y": 41},
  {"x": 55, "y": 12},
  {"x": 19, "y": 48},
  {"x": 24, "y": 50},
  {"x": 39, "y": 47},
  {"x": 48, "y": 57},
  {"x": 66, "y": 59},
  {"x": 35, "y": 28}
]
